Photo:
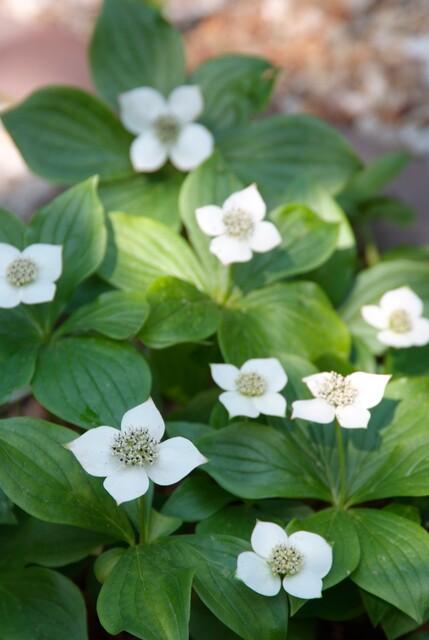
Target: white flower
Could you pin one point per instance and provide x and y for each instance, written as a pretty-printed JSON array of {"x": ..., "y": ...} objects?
[
  {"x": 165, "y": 128},
  {"x": 130, "y": 457},
  {"x": 28, "y": 276},
  {"x": 298, "y": 561},
  {"x": 253, "y": 389},
  {"x": 398, "y": 317},
  {"x": 346, "y": 398},
  {"x": 239, "y": 226}
]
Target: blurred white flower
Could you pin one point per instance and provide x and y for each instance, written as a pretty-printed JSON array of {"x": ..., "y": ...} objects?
[
  {"x": 130, "y": 457},
  {"x": 239, "y": 226},
  {"x": 253, "y": 389},
  {"x": 28, "y": 276},
  {"x": 298, "y": 561},
  {"x": 165, "y": 128},
  {"x": 398, "y": 317},
  {"x": 346, "y": 398}
]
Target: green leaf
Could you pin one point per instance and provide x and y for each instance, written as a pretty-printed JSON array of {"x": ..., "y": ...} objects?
[
  {"x": 214, "y": 561},
  {"x": 154, "y": 602},
  {"x": 376, "y": 175},
  {"x": 245, "y": 612},
  {"x": 191, "y": 430},
  {"x": 372, "y": 283},
  {"x": 404, "y": 510},
  {"x": 196, "y": 499},
  {"x": 255, "y": 461},
  {"x": 17, "y": 370},
  {"x": 338, "y": 529},
  {"x": 178, "y": 313},
  {"x": 47, "y": 544},
  {"x": 396, "y": 624},
  {"x": 307, "y": 242},
  {"x": 294, "y": 318},
  {"x": 66, "y": 135},
  {"x": 75, "y": 220},
  {"x": 161, "y": 525},
  {"x": 378, "y": 207},
  {"x": 234, "y": 520},
  {"x": 20, "y": 339},
  {"x": 91, "y": 381},
  {"x": 394, "y": 561},
  {"x": 340, "y": 603},
  {"x": 235, "y": 88},
  {"x": 210, "y": 183},
  {"x": 12, "y": 229},
  {"x": 239, "y": 520},
  {"x": 133, "y": 46},
  {"x": 117, "y": 314},
  {"x": 7, "y": 515},
  {"x": 46, "y": 481},
  {"x": 392, "y": 458},
  {"x": 413, "y": 361},
  {"x": 336, "y": 275},
  {"x": 42, "y": 605},
  {"x": 205, "y": 626},
  {"x": 141, "y": 250},
  {"x": 153, "y": 196},
  {"x": 275, "y": 151}
]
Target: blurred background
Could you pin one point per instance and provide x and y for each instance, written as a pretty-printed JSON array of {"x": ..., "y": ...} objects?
[{"x": 362, "y": 65}]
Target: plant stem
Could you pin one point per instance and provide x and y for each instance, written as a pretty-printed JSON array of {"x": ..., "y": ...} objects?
[
  {"x": 342, "y": 464},
  {"x": 372, "y": 255},
  {"x": 143, "y": 521}
]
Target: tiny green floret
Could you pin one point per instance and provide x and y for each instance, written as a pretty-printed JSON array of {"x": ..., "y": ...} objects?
[
  {"x": 238, "y": 224},
  {"x": 21, "y": 271},
  {"x": 337, "y": 390},
  {"x": 252, "y": 385},
  {"x": 285, "y": 560},
  {"x": 400, "y": 321},
  {"x": 167, "y": 129},
  {"x": 135, "y": 448}
]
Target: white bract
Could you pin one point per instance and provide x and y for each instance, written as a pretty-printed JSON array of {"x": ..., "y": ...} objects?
[
  {"x": 398, "y": 317},
  {"x": 165, "y": 128},
  {"x": 130, "y": 457},
  {"x": 253, "y": 389},
  {"x": 346, "y": 398},
  {"x": 28, "y": 276},
  {"x": 298, "y": 562},
  {"x": 238, "y": 226}
]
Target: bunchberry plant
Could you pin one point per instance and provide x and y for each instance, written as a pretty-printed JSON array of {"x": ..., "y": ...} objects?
[{"x": 232, "y": 391}]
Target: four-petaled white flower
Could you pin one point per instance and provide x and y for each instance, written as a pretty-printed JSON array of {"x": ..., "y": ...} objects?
[
  {"x": 165, "y": 128},
  {"x": 398, "y": 317},
  {"x": 238, "y": 226},
  {"x": 130, "y": 457},
  {"x": 28, "y": 276},
  {"x": 298, "y": 561},
  {"x": 346, "y": 398},
  {"x": 253, "y": 389}
]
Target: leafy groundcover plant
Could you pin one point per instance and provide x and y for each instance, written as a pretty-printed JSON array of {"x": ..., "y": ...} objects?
[{"x": 236, "y": 442}]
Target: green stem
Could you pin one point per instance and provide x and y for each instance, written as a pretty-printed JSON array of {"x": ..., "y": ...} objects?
[
  {"x": 145, "y": 507},
  {"x": 143, "y": 521},
  {"x": 342, "y": 464},
  {"x": 372, "y": 255}
]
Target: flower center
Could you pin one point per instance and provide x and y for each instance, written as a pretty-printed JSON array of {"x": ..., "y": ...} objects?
[
  {"x": 238, "y": 224},
  {"x": 167, "y": 129},
  {"x": 21, "y": 271},
  {"x": 337, "y": 390},
  {"x": 135, "y": 447},
  {"x": 285, "y": 560},
  {"x": 251, "y": 384},
  {"x": 400, "y": 321}
]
